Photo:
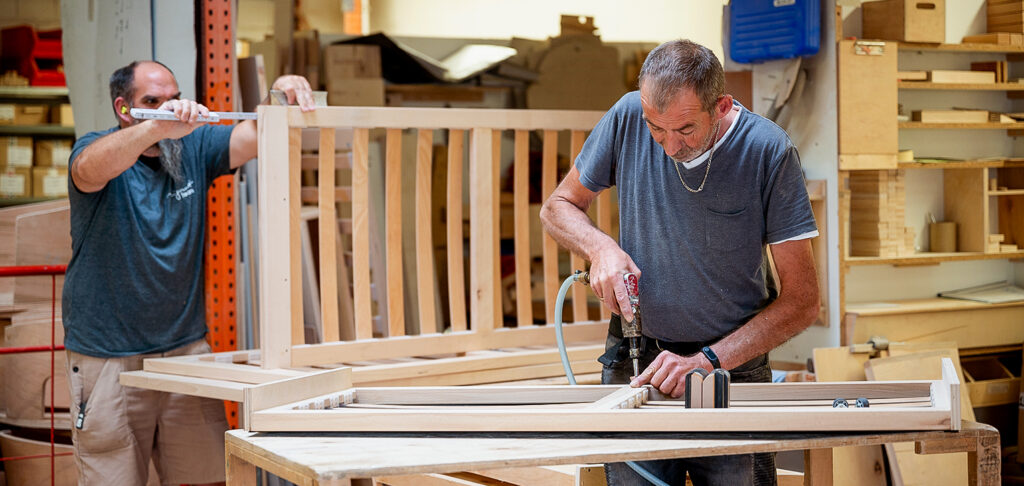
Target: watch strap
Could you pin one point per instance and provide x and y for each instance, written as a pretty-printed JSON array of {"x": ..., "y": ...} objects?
[{"x": 712, "y": 357}]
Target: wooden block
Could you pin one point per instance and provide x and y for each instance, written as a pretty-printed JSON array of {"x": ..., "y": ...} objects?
[
  {"x": 950, "y": 116},
  {"x": 1002, "y": 38},
  {"x": 996, "y": 67},
  {"x": 996, "y": 238},
  {"x": 912, "y": 75},
  {"x": 961, "y": 77},
  {"x": 346, "y": 61},
  {"x": 1007, "y": 248}
]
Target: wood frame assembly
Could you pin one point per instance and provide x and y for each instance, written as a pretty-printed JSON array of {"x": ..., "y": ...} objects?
[
  {"x": 280, "y": 201},
  {"x": 326, "y": 401}
]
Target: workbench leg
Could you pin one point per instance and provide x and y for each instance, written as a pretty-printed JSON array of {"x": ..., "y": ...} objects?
[
  {"x": 984, "y": 462},
  {"x": 239, "y": 471},
  {"x": 818, "y": 467}
]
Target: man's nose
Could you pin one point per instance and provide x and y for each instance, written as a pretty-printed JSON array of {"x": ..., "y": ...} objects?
[{"x": 672, "y": 144}]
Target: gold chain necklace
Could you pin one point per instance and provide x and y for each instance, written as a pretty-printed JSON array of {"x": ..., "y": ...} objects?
[{"x": 707, "y": 170}]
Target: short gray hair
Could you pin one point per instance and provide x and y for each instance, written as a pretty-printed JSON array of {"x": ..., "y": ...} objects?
[{"x": 681, "y": 64}]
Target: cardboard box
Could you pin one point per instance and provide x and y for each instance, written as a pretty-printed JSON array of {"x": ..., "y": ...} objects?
[
  {"x": 15, "y": 181},
  {"x": 356, "y": 92},
  {"x": 49, "y": 182},
  {"x": 53, "y": 152},
  {"x": 61, "y": 115},
  {"x": 15, "y": 151},
  {"x": 905, "y": 20},
  {"x": 22, "y": 114},
  {"x": 346, "y": 61}
]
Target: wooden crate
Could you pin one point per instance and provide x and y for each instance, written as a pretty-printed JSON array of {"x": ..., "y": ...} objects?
[{"x": 905, "y": 20}]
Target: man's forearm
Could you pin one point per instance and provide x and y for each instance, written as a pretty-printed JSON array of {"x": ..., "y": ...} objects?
[
  {"x": 767, "y": 330},
  {"x": 571, "y": 228},
  {"x": 110, "y": 155}
]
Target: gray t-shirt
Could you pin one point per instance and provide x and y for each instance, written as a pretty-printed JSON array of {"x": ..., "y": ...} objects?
[
  {"x": 135, "y": 281},
  {"x": 702, "y": 255}
]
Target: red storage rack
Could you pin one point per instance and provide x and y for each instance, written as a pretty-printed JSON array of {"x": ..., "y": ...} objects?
[{"x": 37, "y": 55}]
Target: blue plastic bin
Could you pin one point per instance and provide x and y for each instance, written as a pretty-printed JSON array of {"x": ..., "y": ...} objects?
[{"x": 760, "y": 30}]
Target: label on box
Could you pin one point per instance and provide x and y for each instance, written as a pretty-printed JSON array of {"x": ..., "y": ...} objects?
[
  {"x": 61, "y": 154},
  {"x": 19, "y": 156},
  {"x": 54, "y": 184},
  {"x": 12, "y": 185},
  {"x": 6, "y": 113}
]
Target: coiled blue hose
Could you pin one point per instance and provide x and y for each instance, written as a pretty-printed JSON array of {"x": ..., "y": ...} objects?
[{"x": 576, "y": 277}]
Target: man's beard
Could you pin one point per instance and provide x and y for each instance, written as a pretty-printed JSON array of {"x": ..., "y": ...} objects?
[
  {"x": 687, "y": 153},
  {"x": 170, "y": 158}
]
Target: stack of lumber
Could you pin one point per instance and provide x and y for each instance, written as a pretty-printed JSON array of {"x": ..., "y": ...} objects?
[
  {"x": 999, "y": 38},
  {"x": 877, "y": 214},
  {"x": 1005, "y": 16}
]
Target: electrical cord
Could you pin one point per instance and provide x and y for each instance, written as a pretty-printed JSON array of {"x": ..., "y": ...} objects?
[{"x": 559, "y": 301}]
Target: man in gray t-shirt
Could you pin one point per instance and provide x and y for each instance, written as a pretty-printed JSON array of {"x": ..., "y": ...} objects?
[{"x": 704, "y": 187}]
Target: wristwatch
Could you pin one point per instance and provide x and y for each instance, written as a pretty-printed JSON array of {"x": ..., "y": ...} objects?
[{"x": 712, "y": 357}]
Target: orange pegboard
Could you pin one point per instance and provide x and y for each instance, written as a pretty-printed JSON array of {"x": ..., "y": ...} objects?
[{"x": 216, "y": 65}]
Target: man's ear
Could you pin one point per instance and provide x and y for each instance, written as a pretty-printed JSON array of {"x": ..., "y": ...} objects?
[
  {"x": 121, "y": 109},
  {"x": 724, "y": 105}
]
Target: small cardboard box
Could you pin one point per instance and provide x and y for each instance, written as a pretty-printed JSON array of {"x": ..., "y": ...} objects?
[
  {"x": 15, "y": 181},
  {"x": 356, "y": 92},
  {"x": 23, "y": 114},
  {"x": 52, "y": 152},
  {"x": 15, "y": 151},
  {"x": 49, "y": 182},
  {"x": 61, "y": 115},
  {"x": 345, "y": 61},
  {"x": 905, "y": 20}
]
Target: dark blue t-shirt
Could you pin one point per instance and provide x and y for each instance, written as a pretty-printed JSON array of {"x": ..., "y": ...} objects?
[
  {"x": 701, "y": 255},
  {"x": 135, "y": 281}
]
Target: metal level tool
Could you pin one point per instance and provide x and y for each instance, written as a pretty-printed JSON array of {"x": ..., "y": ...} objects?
[{"x": 215, "y": 116}]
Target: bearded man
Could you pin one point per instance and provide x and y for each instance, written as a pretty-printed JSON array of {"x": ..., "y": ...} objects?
[{"x": 134, "y": 286}]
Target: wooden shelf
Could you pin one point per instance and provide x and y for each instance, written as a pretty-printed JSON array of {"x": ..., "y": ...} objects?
[
  {"x": 960, "y": 86},
  {"x": 19, "y": 200},
  {"x": 958, "y": 126},
  {"x": 1009, "y": 192},
  {"x": 965, "y": 48},
  {"x": 57, "y": 130},
  {"x": 955, "y": 164},
  {"x": 912, "y": 306},
  {"x": 932, "y": 258},
  {"x": 29, "y": 92}
]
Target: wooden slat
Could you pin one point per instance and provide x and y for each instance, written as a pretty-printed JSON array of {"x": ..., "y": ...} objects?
[
  {"x": 275, "y": 306},
  {"x": 521, "y": 208},
  {"x": 328, "y": 230},
  {"x": 549, "y": 179},
  {"x": 361, "y": 234},
  {"x": 393, "y": 232},
  {"x": 604, "y": 223},
  {"x": 495, "y": 188},
  {"x": 294, "y": 232},
  {"x": 311, "y": 195},
  {"x": 483, "y": 225},
  {"x": 437, "y": 118},
  {"x": 426, "y": 288},
  {"x": 456, "y": 278},
  {"x": 576, "y": 262}
]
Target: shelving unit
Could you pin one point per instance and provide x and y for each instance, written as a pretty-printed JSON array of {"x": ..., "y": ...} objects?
[
  {"x": 38, "y": 96},
  {"x": 873, "y": 201}
]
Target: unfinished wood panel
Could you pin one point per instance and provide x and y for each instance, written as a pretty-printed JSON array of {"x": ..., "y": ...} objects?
[
  {"x": 328, "y": 234},
  {"x": 867, "y": 99},
  {"x": 576, "y": 262},
  {"x": 456, "y": 255},
  {"x": 549, "y": 180},
  {"x": 965, "y": 202},
  {"x": 361, "y": 234},
  {"x": 393, "y": 232},
  {"x": 482, "y": 255},
  {"x": 971, "y": 327},
  {"x": 275, "y": 276},
  {"x": 426, "y": 288},
  {"x": 1011, "y": 219},
  {"x": 923, "y": 352},
  {"x": 906, "y": 466},
  {"x": 37, "y": 471},
  {"x": 521, "y": 208},
  {"x": 435, "y": 118},
  {"x": 295, "y": 223}
]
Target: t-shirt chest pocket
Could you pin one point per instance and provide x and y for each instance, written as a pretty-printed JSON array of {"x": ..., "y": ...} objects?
[{"x": 730, "y": 229}]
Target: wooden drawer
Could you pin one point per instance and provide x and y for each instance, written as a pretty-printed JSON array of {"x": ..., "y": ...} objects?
[{"x": 989, "y": 382}]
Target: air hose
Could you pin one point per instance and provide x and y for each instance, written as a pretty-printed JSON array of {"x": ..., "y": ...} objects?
[{"x": 581, "y": 276}]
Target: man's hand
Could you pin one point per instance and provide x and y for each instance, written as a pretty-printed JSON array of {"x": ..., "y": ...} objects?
[
  {"x": 668, "y": 372},
  {"x": 297, "y": 89},
  {"x": 187, "y": 111},
  {"x": 606, "y": 272}
]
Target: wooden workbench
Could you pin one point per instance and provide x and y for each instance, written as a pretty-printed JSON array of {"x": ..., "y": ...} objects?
[{"x": 336, "y": 458}]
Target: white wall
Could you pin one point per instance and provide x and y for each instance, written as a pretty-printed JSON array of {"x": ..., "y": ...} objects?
[{"x": 617, "y": 21}]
